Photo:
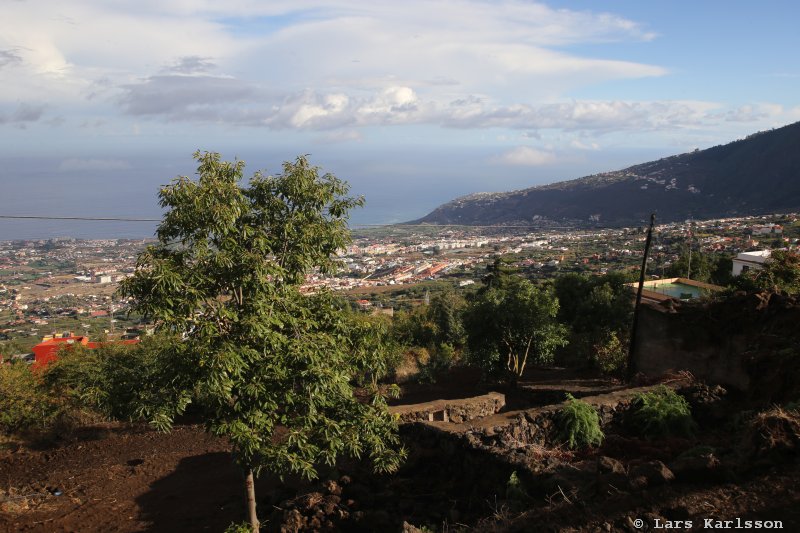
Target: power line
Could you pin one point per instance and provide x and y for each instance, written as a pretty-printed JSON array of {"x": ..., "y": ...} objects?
[
  {"x": 355, "y": 226},
  {"x": 113, "y": 219}
]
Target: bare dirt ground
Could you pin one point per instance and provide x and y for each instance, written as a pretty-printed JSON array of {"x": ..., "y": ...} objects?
[
  {"x": 115, "y": 478},
  {"x": 120, "y": 479}
]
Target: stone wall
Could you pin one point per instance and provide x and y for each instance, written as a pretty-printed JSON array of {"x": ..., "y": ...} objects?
[
  {"x": 715, "y": 341},
  {"x": 482, "y": 454},
  {"x": 456, "y": 411}
]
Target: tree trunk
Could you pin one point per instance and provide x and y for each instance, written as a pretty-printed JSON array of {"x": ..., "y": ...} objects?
[
  {"x": 250, "y": 487},
  {"x": 525, "y": 358}
]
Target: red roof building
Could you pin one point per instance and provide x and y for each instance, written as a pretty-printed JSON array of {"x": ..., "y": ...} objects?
[{"x": 46, "y": 351}]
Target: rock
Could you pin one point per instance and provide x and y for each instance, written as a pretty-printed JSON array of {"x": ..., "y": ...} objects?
[
  {"x": 408, "y": 528},
  {"x": 611, "y": 476},
  {"x": 345, "y": 480},
  {"x": 309, "y": 501},
  {"x": 694, "y": 466},
  {"x": 609, "y": 465},
  {"x": 573, "y": 478},
  {"x": 331, "y": 487},
  {"x": 653, "y": 473},
  {"x": 292, "y": 521}
]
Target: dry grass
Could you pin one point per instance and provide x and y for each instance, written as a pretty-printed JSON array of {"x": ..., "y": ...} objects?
[{"x": 773, "y": 431}]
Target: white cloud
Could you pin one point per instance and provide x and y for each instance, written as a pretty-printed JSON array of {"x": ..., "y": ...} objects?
[
  {"x": 526, "y": 156},
  {"x": 439, "y": 51},
  {"x": 329, "y": 65},
  {"x": 580, "y": 145}
]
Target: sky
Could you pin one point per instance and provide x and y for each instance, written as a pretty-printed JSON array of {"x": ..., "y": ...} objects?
[{"x": 413, "y": 103}]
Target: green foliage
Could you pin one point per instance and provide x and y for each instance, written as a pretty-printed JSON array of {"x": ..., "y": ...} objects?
[
  {"x": 445, "y": 313},
  {"x": 440, "y": 322},
  {"x": 662, "y": 412},
  {"x": 701, "y": 266},
  {"x": 515, "y": 490},
  {"x": 121, "y": 382},
  {"x": 579, "y": 424},
  {"x": 439, "y": 361},
  {"x": 701, "y": 450},
  {"x": 611, "y": 355},
  {"x": 594, "y": 304},
  {"x": 272, "y": 368},
  {"x": 598, "y": 310},
  {"x": 241, "y": 527},
  {"x": 24, "y": 404},
  {"x": 510, "y": 322},
  {"x": 780, "y": 272},
  {"x": 375, "y": 353}
]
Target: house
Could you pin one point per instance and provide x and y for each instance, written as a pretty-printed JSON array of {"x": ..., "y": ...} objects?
[
  {"x": 46, "y": 351},
  {"x": 750, "y": 260}
]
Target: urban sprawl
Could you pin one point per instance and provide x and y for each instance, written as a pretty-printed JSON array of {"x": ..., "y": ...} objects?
[{"x": 53, "y": 285}]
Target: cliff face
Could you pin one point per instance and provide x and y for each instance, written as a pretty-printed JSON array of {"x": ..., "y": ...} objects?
[{"x": 756, "y": 175}]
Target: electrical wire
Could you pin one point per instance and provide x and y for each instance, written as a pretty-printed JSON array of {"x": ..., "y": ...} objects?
[{"x": 355, "y": 226}]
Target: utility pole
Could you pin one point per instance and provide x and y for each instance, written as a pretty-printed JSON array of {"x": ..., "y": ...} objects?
[
  {"x": 631, "y": 348},
  {"x": 689, "y": 246}
]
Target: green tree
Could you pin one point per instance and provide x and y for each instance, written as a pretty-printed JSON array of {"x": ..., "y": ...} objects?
[
  {"x": 701, "y": 266},
  {"x": 694, "y": 264},
  {"x": 273, "y": 369},
  {"x": 598, "y": 310},
  {"x": 510, "y": 323},
  {"x": 498, "y": 273},
  {"x": 781, "y": 272},
  {"x": 445, "y": 312},
  {"x": 440, "y": 322}
]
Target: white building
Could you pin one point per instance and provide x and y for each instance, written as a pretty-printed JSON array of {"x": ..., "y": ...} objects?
[{"x": 750, "y": 261}]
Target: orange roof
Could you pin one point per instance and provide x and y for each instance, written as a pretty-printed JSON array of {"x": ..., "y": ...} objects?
[{"x": 46, "y": 351}]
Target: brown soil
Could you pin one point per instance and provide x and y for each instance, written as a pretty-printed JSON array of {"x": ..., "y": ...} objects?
[
  {"x": 115, "y": 478},
  {"x": 769, "y": 495},
  {"x": 122, "y": 480}
]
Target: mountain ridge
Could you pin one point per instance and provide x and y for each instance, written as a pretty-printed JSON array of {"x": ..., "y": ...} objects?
[{"x": 754, "y": 175}]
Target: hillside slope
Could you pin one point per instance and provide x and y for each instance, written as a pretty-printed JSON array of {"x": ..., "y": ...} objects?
[{"x": 756, "y": 175}]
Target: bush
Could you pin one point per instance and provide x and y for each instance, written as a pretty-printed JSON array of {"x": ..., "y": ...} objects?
[
  {"x": 439, "y": 362},
  {"x": 120, "y": 382},
  {"x": 661, "y": 413},
  {"x": 241, "y": 527},
  {"x": 611, "y": 355},
  {"x": 579, "y": 424},
  {"x": 515, "y": 490},
  {"x": 24, "y": 404}
]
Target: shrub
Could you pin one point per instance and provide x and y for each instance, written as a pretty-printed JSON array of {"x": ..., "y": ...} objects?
[
  {"x": 515, "y": 490},
  {"x": 662, "y": 412},
  {"x": 120, "y": 382},
  {"x": 24, "y": 404},
  {"x": 579, "y": 424},
  {"x": 242, "y": 527},
  {"x": 439, "y": 362},
  {"x": 611, "y": 355}
]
